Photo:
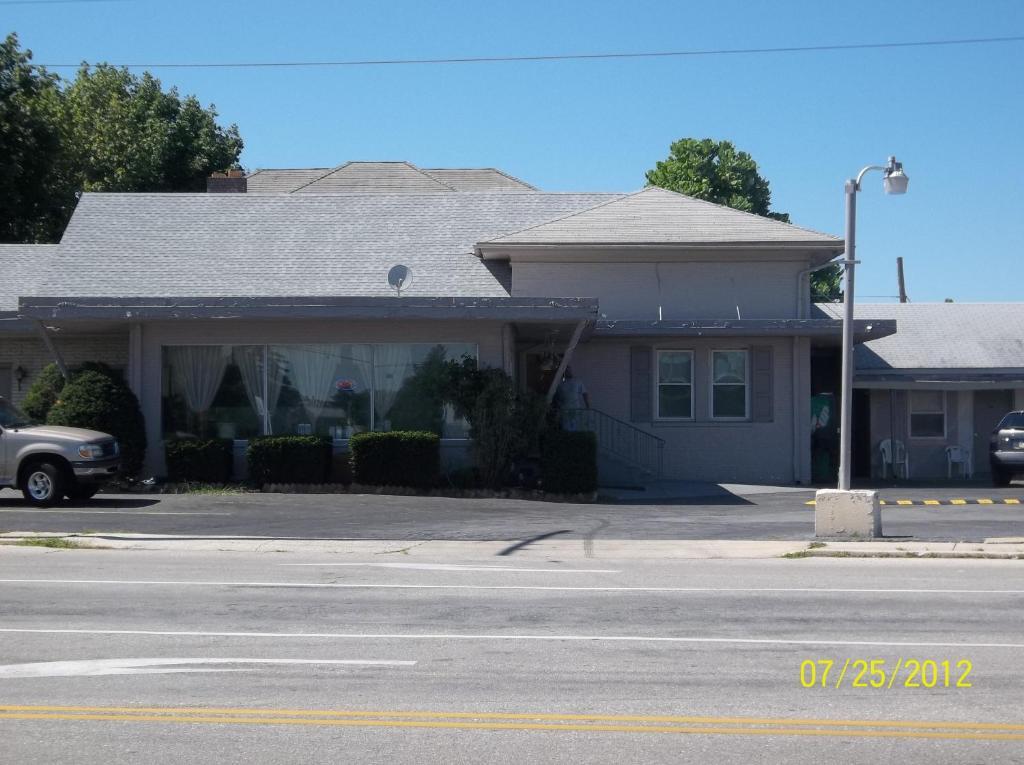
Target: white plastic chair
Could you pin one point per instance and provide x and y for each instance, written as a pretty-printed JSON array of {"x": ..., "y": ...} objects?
[
  {"x": 959, "y": 455},
  {"x": 894, "y": 454}
]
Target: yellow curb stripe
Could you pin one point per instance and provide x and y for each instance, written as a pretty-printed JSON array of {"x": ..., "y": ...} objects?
[
  {"x": 330, "y": 713},
  {"x": 932, "y": 502},
  {"x": 1011, "y": 501},
  {"x": 985, "y": 502},
  {"x": 958, "y": 501},
  {"x": 836, "y": 732},
  {"x": 904, "y": 501}
]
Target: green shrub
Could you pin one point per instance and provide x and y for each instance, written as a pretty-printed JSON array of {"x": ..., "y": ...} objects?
[
  {"x": 398, "y": 458},
  {"x": 43, "y": 393},
  {"x": 97, "y": 401},
  {"x": 289, "y": 459},
  {"x": 46, "y": 388},
  {"x": 205, "y": 460},
  {"x": 568, "y": 462}
]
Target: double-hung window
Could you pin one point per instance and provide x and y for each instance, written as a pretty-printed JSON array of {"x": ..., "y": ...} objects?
[
  {"x": 675, "y": 385},
  {"x": 729, "y": 385},
  {"x": 927, "y": 414}
]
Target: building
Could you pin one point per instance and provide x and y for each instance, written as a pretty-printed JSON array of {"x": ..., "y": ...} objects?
[
  {"x": 945, "y": 379},
  {"x": 267, "y": 309}
]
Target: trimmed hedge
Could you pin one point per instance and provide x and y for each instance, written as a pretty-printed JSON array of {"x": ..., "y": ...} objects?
[
  {"x": 568, "y": 462},
  {"x": 204, "y": 460},
  {"x": 289, "y": 459},
  {"x": 97, "y": 401},
  {"x": 399, "y": 458}
]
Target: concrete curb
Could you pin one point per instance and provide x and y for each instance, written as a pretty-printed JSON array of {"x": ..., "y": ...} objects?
[{"x": 543, "y": 549}]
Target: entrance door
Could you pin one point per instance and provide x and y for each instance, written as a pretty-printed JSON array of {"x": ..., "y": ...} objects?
[{"x": 989, "y": 408}]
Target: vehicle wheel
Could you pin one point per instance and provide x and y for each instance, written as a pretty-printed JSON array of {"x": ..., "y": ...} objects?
[
  {"x": 43, "y": 484},
  {"x": 83, "y": 491},
  {"x": 1000, "y": 478}
]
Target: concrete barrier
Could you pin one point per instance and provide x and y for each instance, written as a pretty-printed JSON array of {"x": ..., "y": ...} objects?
[{"x": 847, "y": 514}]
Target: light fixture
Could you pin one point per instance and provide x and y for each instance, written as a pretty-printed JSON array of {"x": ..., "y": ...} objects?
[
  {"x": 895, "y": 180},
  {"x": 20, "y": 373}
]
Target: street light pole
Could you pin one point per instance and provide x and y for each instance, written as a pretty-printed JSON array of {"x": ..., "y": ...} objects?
[{"x": 895, "y": 182}]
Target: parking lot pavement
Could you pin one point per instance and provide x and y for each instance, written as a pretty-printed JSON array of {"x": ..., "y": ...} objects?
[{"x": 754, "y": 516}]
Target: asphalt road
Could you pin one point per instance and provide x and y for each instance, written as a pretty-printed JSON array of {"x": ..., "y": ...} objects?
[
  {"x": 126, "y": 656},
  {"x": 783, "y": 516}
]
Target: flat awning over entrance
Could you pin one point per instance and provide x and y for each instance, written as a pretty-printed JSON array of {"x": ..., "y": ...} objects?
[
  {"x": 825, "y": 331},
  {"x": 516, "y": 309}
]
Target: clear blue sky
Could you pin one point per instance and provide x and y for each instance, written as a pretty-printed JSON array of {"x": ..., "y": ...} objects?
[{"x": 954, "y": 115}]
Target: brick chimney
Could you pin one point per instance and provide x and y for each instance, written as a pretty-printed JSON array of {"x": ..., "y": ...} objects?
[{"x": 231, "y": 182}]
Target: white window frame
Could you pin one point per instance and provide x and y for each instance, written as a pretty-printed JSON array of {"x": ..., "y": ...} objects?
[
  {"x": 910, "y": 415},
  {"x": 713, "y": 384},
  {"x": 657, "y": 383}
]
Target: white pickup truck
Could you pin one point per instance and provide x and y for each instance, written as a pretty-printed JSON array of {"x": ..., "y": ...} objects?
[{"x": 48, "y": 462}]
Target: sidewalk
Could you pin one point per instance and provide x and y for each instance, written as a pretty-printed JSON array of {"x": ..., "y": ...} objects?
[{"x": 1011, "y": 548}]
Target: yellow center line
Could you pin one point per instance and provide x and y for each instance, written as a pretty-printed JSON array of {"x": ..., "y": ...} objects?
[
  {"x": 837, "y": 732},
  {"x": 169, "y": 712}
]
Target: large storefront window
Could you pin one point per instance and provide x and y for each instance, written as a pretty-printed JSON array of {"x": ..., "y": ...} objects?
[{"x": 336, "y": 390}]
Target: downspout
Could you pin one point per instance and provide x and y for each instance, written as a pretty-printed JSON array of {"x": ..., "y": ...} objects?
[
  {"x": 802, "y": 295},
  {"x": 52, "y": 348},
  {"x": 577, "y": 333}
]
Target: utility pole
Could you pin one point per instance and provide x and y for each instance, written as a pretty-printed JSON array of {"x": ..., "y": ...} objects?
[{"x": 899, "y": 278}]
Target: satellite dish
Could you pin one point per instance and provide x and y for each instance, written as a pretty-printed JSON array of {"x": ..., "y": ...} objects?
[{"x": 400, "y": 278}]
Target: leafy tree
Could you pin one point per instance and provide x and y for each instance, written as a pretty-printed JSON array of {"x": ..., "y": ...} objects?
[
  {"x": 46, "y": 388},
  {"x": 32, "y": 178},
  {"x": 718, "y": 172},
  {"x": 106, "y": 130},
  {"x": 97, "y": 401},
  {"x": 127, "y": 134}
]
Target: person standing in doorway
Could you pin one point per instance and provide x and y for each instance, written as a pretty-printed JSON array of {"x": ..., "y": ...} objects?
[{"x": 572, "y": 396}]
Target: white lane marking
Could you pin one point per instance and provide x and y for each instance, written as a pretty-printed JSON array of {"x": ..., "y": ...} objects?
[
  {"x": 357, "y": 586},
  {"x": 461, "y": 567},
  {"x": 98, "y": 667},
  {"x": 104, "y": 512},
  {"x": 547, "y": 638}
]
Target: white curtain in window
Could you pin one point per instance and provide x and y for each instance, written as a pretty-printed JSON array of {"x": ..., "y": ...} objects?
[
  {"x": 198, "y": 372},
  {"x": 311, "y": 370},
  {"x": 392, "y": 364},
  {"x": 249, "y": 359}
]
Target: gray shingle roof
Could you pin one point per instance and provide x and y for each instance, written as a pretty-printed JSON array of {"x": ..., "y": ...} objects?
[
  {"x": 132, "y": 245},
  {"x": 657, "y": 216},
  {"x": 941, "y": 336},
  {"x": 21, "y": 269},
  {"x": 282, "y": 181},
  {"x": 376, "y": 177},
  {"x": 478, "y": 179}
]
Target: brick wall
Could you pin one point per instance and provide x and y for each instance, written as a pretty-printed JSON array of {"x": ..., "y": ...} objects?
[{"x": 31, "y": 354}]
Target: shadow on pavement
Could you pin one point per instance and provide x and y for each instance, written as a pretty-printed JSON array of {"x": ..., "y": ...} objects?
[{"x": 97, "y": 503}]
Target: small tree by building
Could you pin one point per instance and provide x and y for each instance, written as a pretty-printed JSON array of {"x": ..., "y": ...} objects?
[{"x": 97, "y": 401}]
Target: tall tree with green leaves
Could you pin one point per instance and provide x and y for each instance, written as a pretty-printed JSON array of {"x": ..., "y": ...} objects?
[
  {"x": 127, "y": 133},
  {"x": 32, "y": 173},
  {"x": 106, "y": 130},
  {"x": 718, "y": 172}
]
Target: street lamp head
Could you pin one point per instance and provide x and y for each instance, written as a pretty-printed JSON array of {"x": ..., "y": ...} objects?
[{"x": 895, "y": 181}]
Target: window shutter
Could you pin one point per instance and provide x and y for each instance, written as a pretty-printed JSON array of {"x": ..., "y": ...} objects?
[
  {"x": 641, "y": 385},
  {"x": 762, "y": 394}
]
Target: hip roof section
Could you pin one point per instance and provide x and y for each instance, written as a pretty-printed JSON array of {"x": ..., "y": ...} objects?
[
  {"x": 300, "y": 244},
  {"x": 941, "y": 336},
  {"x": 659, "y": 216}
]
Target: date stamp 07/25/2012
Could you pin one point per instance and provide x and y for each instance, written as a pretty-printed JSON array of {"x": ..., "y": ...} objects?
[{"x": 884, "y": 674}]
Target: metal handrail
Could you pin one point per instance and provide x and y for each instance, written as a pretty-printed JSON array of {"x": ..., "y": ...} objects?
[{"x": 621, "y": 439}]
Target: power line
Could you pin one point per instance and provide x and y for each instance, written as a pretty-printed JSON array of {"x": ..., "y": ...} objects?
[{"x": 559, "y": 57}]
